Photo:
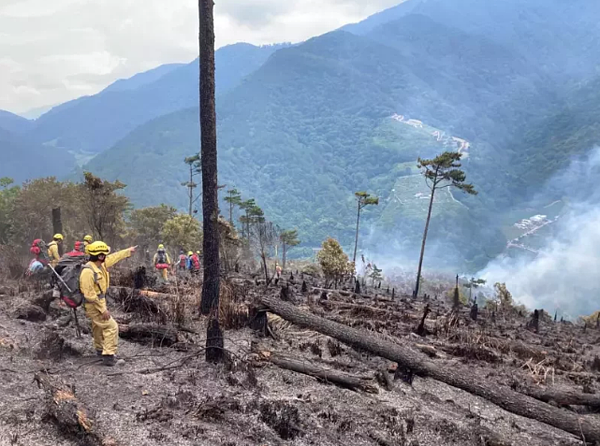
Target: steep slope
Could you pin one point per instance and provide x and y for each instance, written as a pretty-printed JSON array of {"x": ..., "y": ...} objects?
[
  {"x": 23, "y": 159},
  {"x": 549, "y": 144},
  {"x": 92, "y": 124},
  {"x": 14, "y": 123}
]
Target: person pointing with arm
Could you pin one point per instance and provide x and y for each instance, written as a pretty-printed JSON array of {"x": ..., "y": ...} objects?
[{"x": 93, "y": 283}]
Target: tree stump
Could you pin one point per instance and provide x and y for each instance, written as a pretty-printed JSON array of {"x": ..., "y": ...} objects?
[
  {"x": 474, "y": 311},
  {"x": 304, "y": 287}
]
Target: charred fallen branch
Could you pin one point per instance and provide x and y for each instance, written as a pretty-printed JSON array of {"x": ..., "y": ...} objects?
[
  {"x": 562, "y": 398},
  {"x": 505, "y": 398},
  {"x": 70, "y": 416},
  {"x": 156, "y": 335},
  {"x": 309, "y": 368}
]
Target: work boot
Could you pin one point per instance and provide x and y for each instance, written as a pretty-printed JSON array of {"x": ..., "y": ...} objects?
[
  {"x": 98, "y": 352},
  {"x": 109, "y": 360}
]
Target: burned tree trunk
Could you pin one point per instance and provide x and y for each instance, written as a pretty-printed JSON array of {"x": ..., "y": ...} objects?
[
  {"x": 57, "y": 226},
  {"x": 214, "y": 341},
  {"x": 339, "y": 378},
  {"x": 562, "y": 398},
  {"x": 285, "y": 294},
  {"x": 534, "y": 323},
  {"x": 157, "y": 335},
  {"x": 474, "y": 312},
  {"x": 421, "y": 328},
  {"x": 455, "y": 376},
  {"x": 210, "y": 199}
]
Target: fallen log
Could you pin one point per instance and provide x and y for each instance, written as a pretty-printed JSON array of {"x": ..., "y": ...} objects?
[
  {"x": 363, "y": 310},
  {"x": 70, "y": 416},
  {"x": 562, "y": 398},
  {"x": 517, "y": 403},
  {"x": 157, "y": 335},
  {"x": 146, "y": 293},
  {"x": 307, "y": 367},
  {"x": 133, "y": 301}
]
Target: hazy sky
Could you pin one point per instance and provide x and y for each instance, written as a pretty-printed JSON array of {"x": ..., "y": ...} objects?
[{"x": 55, "y": 50}]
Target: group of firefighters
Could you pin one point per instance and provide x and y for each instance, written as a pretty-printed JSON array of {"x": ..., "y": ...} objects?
[
  {"x": 185, "y": 262},
  {"x": 94, "y": 281}
]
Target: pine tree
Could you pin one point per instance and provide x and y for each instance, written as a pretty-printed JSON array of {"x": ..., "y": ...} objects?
[
  {"x": 233, "y": 198},
  {"x": 441, "y": 172},
  {"x": 193, "y": 163},
  {"x": 288, "y": 238},
  {"x": 363, "y": 199}
]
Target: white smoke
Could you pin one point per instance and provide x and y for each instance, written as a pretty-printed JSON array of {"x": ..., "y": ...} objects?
[{"x": 565, "y": 275}]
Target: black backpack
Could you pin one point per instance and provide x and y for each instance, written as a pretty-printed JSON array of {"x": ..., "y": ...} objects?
[
  {"x": 69, "y": 269},
  {"x": 162, "y": 257}
]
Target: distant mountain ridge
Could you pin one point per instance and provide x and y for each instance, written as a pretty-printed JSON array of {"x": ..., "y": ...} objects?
[
  {"x": 14, "y": 123},
  {"x": 94, "y": 123}
]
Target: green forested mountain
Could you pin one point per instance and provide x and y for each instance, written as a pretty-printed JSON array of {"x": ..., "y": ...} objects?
[
  {"x": 314, "y": 124},
  {"x": 23, "y": 159},
  {"x": 94, "y": 123},
  {"x": 512, "y": 84}
]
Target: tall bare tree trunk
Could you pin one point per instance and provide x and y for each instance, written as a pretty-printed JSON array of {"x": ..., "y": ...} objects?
[
  {"x": 191, "y": 188},
  {"x": 57, "y": 226},
  {"x": 210, "y": 204},
  {"x": 284, "y": 255},
  {"x": 416, "y": 291},
  {"x": 356, "y": 239}
]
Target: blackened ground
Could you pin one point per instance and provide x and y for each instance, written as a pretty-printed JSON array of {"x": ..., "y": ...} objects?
[{"x": 171, "y": 396}]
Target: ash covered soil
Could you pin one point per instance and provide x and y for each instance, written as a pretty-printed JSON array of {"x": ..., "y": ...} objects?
[{"x": 166, "y": 394}]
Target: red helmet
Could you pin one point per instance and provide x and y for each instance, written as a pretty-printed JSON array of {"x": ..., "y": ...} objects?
[{"x": 79, "y": 246}]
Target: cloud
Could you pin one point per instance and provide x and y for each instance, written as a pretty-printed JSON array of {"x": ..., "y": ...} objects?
[{"x": 47, "y": 45}]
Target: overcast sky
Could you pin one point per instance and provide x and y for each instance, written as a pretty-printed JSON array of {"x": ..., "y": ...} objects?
[{"x": 55, "y": 50}]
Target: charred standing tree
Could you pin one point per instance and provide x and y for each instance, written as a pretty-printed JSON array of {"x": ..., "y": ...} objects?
[
  {"x": 210, "y": 204},
  {"x": 57, "y": 226}
]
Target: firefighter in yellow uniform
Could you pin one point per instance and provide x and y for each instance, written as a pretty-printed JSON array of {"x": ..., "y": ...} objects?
[
  {"x": 87, "y": 240},
  {"x": 162, "y": 262},
  {"x": 93, "y": 283},
  {"x": 53, "y": 254}
]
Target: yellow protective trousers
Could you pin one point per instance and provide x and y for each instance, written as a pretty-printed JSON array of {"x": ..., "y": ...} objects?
[
  {"x": 105, "y": 333},
  {"x": 165, "y": 274}
]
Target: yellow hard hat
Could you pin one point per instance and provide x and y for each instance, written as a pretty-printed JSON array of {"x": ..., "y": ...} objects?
[
  {"x": 197, "y": 252},
  {"x": 190, "y": 253},
  {"x": 88, "y": 238},
  {"x": 161, "y": 246},
  {"x": 58, "y": 237},
  {"x": 97, "y": 248}
]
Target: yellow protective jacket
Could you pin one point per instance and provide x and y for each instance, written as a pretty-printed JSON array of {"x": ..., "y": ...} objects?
[
  {"x": 53, "y": 253},
  {"x": 94, "y": 280},
  {"x": 155, "y": 258}
]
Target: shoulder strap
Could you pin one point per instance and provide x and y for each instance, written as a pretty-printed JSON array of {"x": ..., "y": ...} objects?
[{"x": 93, "y": 271}]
